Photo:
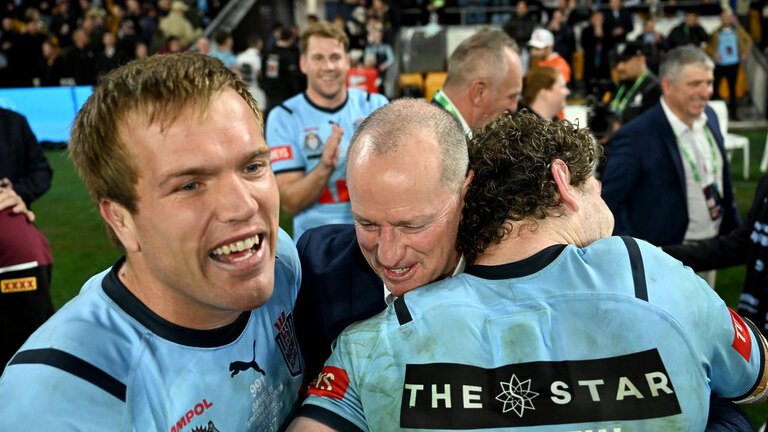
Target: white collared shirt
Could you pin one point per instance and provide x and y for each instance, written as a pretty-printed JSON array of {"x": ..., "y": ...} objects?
[
  {"x": 700, "y": 224},
  {"x": 389, "y": 298}
]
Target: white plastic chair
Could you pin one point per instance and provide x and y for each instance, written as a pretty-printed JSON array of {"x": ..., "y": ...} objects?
[
  {"x": 732, "y": 141},
  {"x": 764, "y": 160}
]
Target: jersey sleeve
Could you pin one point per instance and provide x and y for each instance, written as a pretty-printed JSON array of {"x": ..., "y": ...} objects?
[
  {"x": 285, "y": 152},
  {"x": 730, "y": 348},
  {"x": 737, "y": 357},
  {"x": 43, "y": 397},
  {"x": 333, "y": 397}
]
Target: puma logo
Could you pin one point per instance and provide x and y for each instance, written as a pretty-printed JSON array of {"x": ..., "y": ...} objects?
[{"x": 240, "y": 366}]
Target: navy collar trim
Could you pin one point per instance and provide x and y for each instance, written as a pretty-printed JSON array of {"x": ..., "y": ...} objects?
[
  {"x": 128, "y": 302},
  {"x": 528, "y": 266},
  {"x": 324, "y": 109}
]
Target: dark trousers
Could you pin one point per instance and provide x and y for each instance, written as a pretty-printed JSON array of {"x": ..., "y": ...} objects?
[
  {"x": 730, "y": 73},
  {"x": 22, "y": 312}
]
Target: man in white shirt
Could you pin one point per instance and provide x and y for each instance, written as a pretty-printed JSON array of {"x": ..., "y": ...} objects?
[{"x": 667, "y": 178}]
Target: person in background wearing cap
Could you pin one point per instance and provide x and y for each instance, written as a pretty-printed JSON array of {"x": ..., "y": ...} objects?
[
  {"x": 543, "y": 53},
  {"x": 638, "y": 88}
]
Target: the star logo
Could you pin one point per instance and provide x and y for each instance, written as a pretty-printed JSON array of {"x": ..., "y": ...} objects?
[{"x": 516, "y": 395}]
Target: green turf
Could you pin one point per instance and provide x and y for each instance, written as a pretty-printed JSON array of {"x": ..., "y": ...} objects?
[{"x": 80, "y": 247}]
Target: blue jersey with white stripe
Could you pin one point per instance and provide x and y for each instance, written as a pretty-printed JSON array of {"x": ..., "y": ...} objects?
[
  {"x": 616, "y": 336},
  {"x": 296, "y": 134},
  {"x": 105, "y": 362}
]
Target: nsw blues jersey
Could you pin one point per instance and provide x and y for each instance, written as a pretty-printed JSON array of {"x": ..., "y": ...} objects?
[
  {"x": 105, "y": 362},
  {"x": 616, "y": 336},
  {"x": 296, "y": 134}
]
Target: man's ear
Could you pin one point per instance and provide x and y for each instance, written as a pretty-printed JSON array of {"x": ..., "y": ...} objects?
[
  {"x": 122, "y": 223},
  {"x": 562, "y": 176},
  {"x": 303, "y": 64},
  {"x": 666, "y": 85},
  {"x": 477, "y": 90},
  {"x": 467, "y": 182}
]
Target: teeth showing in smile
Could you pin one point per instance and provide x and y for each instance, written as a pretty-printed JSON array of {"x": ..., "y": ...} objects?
[
  {"x": 237, "y": 246},
  {"x": 399, "y": 270}
]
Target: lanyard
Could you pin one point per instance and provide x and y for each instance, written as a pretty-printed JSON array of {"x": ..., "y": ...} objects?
[
  {"x": 447, "y": 105},
  {"x": 618, "y": 104},
  {"x": 692, "y": 163}
]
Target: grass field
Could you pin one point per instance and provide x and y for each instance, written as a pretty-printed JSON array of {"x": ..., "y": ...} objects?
[{"x": 80, "y": 247}]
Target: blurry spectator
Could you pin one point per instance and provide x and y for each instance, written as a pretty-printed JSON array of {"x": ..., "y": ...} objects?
[
  {"x": 114, "y": 19},
  {"x": 654, "y": 44},
  {"x": 8, "y": 38},
  {"x": 274, "y": 35},
  {"x": 29, "y": 55},
  {"x": 140, "y": 51},
  {"x": 544, "y": 92},
  {"x": 202, "y": 45},
  {"x": 281, "y": 70},
  {"x": 688, "y": 32},
  {"x": 355, "y": 29},
  {"x": 728, "y": 46},
  {"x": 340, "y": 22},
  {"x": 618, "y": 22},
  {"x": 133, "y": 13},
  {"x": 148, "y": 23},
  {"x": 110, "y": 57},
  {"x": 378, "y": 54},
  {"x": 249, "y": 63},
  {"x": 172, "y": 45},
  {"x": 51, "y": 69},
  {"x": 543, "y": 54},
  {"x": 63, "y": 23},
  {"x": 565, "y": 39},
  {"x": 597, "y": 45},
  {"x": 222, "y": 49},
  {"x": 78, "y": 59},
  {"x": 520, "y": 25},
  {"x": 388, "y": 14},
  {"x": 93, "y": 24},
  {"x": 127, "y": 37},
  {"x": 177, "y": 24}
]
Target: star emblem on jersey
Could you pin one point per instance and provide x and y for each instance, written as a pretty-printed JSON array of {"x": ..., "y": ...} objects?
[{"x": 516, "y": 395}]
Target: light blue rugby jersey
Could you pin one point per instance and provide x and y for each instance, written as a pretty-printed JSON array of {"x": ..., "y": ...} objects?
[
  {"x": 296, "y": 134},
  {"x": 567, "y": 340},
  {"x": 105, "y": 362}
]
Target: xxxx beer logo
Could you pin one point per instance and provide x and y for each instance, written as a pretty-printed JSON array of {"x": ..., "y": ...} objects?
[{"x": 8, "y": 286}]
